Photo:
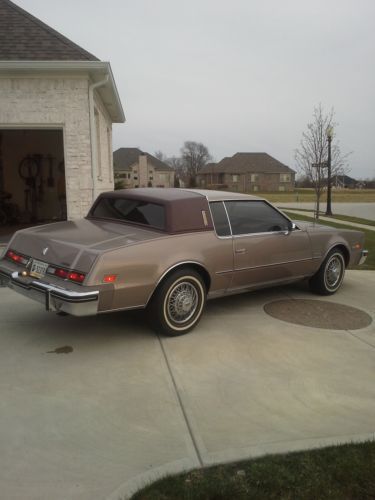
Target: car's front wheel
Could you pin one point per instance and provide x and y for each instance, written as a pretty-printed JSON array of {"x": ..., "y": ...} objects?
[
  {"x": 178, "y": 303},
  {"x": 330, "y": 275}
]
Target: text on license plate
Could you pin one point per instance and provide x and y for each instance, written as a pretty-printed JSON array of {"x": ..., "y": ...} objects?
[{"x": 38, "y": 268}]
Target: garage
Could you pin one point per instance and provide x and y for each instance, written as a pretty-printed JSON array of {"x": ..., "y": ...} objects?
[
  {"x": 32, "y": 178},
  {"x": 57, "y": 106}
]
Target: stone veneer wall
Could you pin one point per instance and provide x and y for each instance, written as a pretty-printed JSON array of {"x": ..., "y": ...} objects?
[{"x": 62, "y": 102}]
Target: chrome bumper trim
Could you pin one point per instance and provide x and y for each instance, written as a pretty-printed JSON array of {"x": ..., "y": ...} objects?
[
  {"x": 54, "y": 298},
  {"x": 363, "y": 257}
]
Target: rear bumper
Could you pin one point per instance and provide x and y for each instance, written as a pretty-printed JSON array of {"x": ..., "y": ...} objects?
[
  {"x": 363, "y": 258},
  {"x": 53, "y": 297}
]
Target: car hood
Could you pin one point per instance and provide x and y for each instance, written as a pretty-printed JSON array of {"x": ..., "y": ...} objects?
[{"x": 77, "y": 244}]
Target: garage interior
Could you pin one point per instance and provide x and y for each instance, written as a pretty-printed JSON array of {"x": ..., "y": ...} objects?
[{"x": 32, "y": 179}]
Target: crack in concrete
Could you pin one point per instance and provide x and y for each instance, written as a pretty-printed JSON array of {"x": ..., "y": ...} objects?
[
  {"x": 183, "y": 410},
  {"x": 361, "y": 340}
]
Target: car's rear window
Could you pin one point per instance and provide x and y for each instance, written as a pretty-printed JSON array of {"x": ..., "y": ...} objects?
[{"x": 127, "y": 210}]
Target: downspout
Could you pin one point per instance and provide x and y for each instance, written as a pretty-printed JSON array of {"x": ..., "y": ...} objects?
[{"x": 94, "y": 146}]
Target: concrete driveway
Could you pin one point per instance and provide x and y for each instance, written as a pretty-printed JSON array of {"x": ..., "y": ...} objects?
[{"x": 91, "y": 408}]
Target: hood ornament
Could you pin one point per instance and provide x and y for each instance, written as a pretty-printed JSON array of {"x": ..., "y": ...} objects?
[{"x": 45, "y": 250}]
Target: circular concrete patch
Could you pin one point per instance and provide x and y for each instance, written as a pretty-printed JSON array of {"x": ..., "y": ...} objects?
[{"x": 318, "y": 314}]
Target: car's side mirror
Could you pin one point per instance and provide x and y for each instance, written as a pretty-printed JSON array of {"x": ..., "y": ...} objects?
[{"x": 291, "y": 227}]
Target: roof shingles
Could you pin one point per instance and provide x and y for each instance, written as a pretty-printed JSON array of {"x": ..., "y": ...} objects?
[
  {"x": 124, "y": 158},
  {"x": 248, "y": 162},
  {"x": 23, "y": 37}
]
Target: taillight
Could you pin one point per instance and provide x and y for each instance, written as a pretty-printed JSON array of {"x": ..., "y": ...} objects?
[
  {"x": 16, "y": 257},
  {"x": 77, "y": 277},
  {"x": 66, "y": 275},
  {"x": 61, "y": 273}
]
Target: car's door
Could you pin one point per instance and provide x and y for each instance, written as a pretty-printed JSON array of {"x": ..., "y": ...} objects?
[{"x": 266, "y": 249}]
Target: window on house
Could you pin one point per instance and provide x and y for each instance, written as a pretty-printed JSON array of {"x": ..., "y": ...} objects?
[
  {"x": 284, "y": 177},
  {"x": 235, "y": 178},
  {"x": 255, "y": 188},
  {"x": 254, "y": 177},
  {"x": 281, "y": 188},
  {"x": 135, "y": 177}
]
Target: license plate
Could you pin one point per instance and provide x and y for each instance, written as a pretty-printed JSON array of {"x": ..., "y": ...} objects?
[{"x": 38, "y": 268}]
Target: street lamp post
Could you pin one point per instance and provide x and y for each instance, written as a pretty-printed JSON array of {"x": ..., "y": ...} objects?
[{"x": 329, "y": 138}]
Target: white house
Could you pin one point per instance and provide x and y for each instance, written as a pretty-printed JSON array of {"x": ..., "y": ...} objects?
[
  {"x": 135, "y": 168},
  {"x": 57, "y": 106}
]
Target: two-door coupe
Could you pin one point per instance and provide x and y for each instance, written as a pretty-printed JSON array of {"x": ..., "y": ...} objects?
[{"x": 168, "y": 250}]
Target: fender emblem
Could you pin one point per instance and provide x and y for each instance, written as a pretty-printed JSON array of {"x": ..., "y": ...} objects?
[{"x": 45, "y": 250}]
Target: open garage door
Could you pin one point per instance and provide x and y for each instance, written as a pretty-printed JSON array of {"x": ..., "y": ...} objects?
[{"x": 32, "y": 179}]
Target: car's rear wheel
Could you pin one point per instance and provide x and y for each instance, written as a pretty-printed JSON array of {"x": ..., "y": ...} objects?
[
  {"x": 330, "y": 275},
  {"x": 178, "y": 303}
]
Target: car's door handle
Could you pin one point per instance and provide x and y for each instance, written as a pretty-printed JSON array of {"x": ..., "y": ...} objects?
[{"x": 240, "y": 250}]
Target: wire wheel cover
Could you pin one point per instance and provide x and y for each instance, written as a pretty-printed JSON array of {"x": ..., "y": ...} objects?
[
  {"x": 182, "y": 302},
  {"x": 333, "y": 272}
]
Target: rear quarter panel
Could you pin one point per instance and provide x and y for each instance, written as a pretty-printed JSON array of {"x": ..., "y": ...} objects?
[{"x": 140, "y": 267}]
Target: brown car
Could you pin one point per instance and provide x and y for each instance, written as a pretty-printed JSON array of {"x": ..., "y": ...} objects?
[{"x": 168, "y": 250}]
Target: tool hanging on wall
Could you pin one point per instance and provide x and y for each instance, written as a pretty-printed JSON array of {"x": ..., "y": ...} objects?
[
  {"x": 50, "y": 178},
  {"x": 29, "y": 171},
  {"x": 1, "y": 164},
  {"x": 40, "y": 184}
]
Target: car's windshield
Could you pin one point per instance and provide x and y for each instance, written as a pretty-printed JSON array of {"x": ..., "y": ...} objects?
[{"x": 128, "y": 210}]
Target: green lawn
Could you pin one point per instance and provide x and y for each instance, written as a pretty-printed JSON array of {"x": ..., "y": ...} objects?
[
  {"x": 308, "y": 195},
  {"x": 347, "y": 218},
  {"x": 369, "y": 235},
  {"x": 345, "y": 472}
]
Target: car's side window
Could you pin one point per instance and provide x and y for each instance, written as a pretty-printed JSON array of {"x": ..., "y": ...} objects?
[
  {"x": 248, "y": 217},
  {"x": 220, "y": 218}
]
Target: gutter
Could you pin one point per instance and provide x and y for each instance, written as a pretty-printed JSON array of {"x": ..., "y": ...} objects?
[{"x": 94, "y": 142}]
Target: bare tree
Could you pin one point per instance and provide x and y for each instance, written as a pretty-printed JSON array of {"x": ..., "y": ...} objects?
[
  {"x": 160, "y": 155},
  {"x": 178, "y": 166},
  {"x": 311, "y": 156},
  {"x": 175, "y": 162},
  {"x": 194, "y": 155}
]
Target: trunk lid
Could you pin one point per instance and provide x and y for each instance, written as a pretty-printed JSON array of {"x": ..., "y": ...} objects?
[{"x": 77, "y": 244}]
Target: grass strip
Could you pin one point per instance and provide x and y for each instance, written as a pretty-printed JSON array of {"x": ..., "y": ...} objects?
[
  {"x": 343, "y": 472},
  {"x": 308, "y": 195},
  {"x": 347, "y": 218}
]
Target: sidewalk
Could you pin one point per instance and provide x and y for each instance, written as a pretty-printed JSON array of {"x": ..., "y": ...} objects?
[{"x": 330, "y": 219}]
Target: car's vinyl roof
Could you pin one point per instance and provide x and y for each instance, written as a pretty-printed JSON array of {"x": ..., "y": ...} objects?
[
  {"x": 172, "y": 194},
  {"x": 213, "y": 195},
  {"x": 157, "y": 194}
]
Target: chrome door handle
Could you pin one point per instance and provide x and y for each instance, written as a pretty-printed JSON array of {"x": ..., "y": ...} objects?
[{"x": 240, "y": 250}]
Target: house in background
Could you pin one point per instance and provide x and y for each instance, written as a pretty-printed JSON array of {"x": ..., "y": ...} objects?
[
  {"x": 134, "y": 168},
  {"x": 345, "y": 182},
  {"x": 246, "y": 172},
  {"x": 57, "y": 106}
]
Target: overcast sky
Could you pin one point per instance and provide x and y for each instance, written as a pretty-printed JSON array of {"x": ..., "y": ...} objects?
[{"x": 239, "y": 75}]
